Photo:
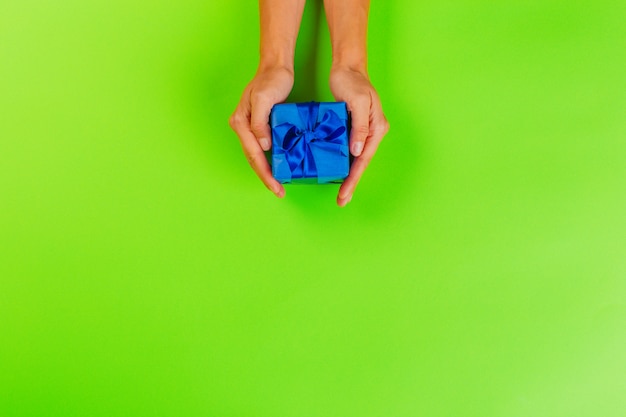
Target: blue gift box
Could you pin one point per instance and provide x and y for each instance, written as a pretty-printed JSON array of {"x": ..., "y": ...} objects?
[{"x": 310, "y": 142}]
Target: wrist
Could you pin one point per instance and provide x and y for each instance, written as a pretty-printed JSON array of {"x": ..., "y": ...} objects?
[
  {"x": 349, "y": 59},
  {"x": 277, "y": 58},
  {"x": 273, "y": 67},
  {"x": 351, "y": 67},
  {"x": 274, "y": 59}
]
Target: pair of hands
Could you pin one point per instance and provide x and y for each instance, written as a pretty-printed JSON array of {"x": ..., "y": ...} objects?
[{"x": 273, "y": 85}]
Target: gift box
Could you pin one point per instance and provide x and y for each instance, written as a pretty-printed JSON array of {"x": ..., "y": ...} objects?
[{"x": 310, "y": 142}]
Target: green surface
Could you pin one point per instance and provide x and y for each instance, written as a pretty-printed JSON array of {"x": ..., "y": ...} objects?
[{"x": 480, "y": 269}]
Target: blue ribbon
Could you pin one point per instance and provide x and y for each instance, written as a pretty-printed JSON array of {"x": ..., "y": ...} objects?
[{"x": 311, "y": 148}]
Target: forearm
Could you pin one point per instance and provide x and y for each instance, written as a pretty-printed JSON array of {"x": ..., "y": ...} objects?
[
  {"x": 347, "y": 22},
  {"x": 280, "y": 22}
]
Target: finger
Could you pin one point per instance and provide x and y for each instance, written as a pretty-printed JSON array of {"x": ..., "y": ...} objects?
[
  {"x": 346, "y": 191},
  {"x": 258, "y": 162},
  {"x": 255, "y": 156},
  {"x": 259, "y": 120},
  {"x": 360, "y": 110}
]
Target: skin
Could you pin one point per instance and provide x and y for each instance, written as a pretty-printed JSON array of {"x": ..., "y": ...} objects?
[{"x": 349, "y": 82}]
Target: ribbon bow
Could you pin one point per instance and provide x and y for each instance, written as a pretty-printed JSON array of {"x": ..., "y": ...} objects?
[{"x": 311, "y": 148}]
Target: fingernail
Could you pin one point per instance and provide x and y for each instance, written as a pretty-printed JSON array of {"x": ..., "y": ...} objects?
[
  {"x": 357, "y": 148},
  {"x": 346, "y": 201},
  {"x": 265, "y": 144},
  {"x": 280, "y": 192},
  {"x": 344, "y": 193}
]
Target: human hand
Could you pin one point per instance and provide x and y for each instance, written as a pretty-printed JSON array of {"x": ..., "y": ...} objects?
[
  {"x": 369, "y": 124},
  {"x": 251, "y": 120}
]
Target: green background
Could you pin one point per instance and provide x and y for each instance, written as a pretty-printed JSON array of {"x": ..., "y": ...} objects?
[{"x": 480, "y": 269}]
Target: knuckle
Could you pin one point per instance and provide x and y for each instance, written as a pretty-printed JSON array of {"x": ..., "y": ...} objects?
[
  {"x": 385, "y": 127},
  {"x": 382, "y": 129},
  {"x": 235, "y": 121},
  {"x": 379, "y": 130},
  {"x": 361, "y": 130},
  {"x": 253, "y": 159},
  {"x": 258, "y": 126},
  {"x": 366, "y": 157}
]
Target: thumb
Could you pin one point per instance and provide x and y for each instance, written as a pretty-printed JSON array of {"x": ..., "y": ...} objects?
[
  {"x": 259, "y": 122},
  {"x": 360, "y": 130}
]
